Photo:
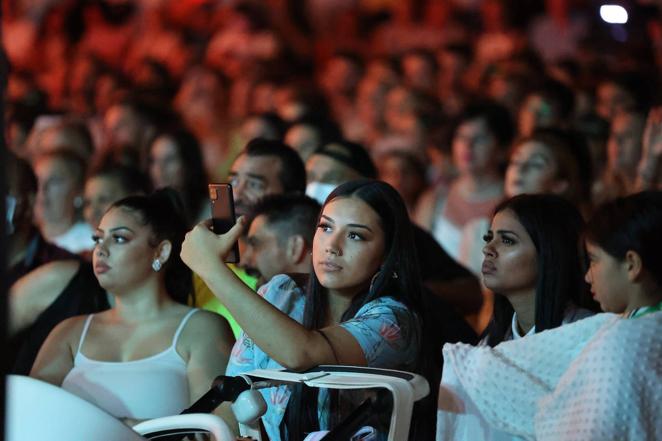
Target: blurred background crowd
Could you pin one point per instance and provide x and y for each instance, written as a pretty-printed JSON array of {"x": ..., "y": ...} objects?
[{"x": 458, "y": 104}]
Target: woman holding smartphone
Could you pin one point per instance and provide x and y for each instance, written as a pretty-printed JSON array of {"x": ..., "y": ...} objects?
[
  {"x": 150, "y": 355},
  {"x": 358, "y": 308}
]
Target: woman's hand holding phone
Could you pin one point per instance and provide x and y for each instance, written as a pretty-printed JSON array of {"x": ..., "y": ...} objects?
[{"x": 203, "y": 251}]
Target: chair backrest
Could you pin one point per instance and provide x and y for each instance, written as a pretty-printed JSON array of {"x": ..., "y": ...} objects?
[
  {"x": 177, "y": 426},
  {"x": 37, "y": 411},
  {"x": 406, "y": 389}
]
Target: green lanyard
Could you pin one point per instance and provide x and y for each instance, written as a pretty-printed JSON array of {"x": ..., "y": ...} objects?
[{"x": 639, "y": 312}]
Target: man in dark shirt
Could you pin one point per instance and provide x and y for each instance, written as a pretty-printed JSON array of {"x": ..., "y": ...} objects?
[
  {"x": 27, "y": 248},
  {"x": 49, "y": 295}
]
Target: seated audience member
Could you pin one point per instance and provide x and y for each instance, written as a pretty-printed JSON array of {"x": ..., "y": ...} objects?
[
  {"x": 624, "y": 152},
  {"x": 341, "y": 162},
  {"x": 60, "y": 177},
  {"x": 110, "y": 184},
  {"x": 266, "y": 125},
  {"x": 43, "y": 298},
  {"x": 650, "y": 166},
  {"x": 150, "y": 355},
  {"x": 27, "y": 248},
  {"x": 451, "y": 294},
  {"x": 551, "y": 161},
  {"x": 48, "y": 284},
  {"x": 535, "y": 269},
  {"x": 622, "y": 93},
  {"x": 310, "y": 133},
  {"x": 405, "y": 172},
  {"x": 364, "y": 280},
  {"x": 336, "y": 163},
  {"x": 479, "y": 143},
  {"x": 549, "y": 105},
  {"x": 175, "y": 161},
  {"x": 264, "y": 167},
  {"x": 69, "y": 134},
  {"x": 279, "y": 236},
  {"x": 129, "y": 124},
  {"x": 576, "y": 382},
  {"x": 520, "y": 248}
]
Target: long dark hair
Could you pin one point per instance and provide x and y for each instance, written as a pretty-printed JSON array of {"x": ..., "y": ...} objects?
[
  {"x": 194, "y": 191},
  {"x": 163, "y": 212},
  {"x": 399, "y": 258},
  {"x": 555, "y": 227}
]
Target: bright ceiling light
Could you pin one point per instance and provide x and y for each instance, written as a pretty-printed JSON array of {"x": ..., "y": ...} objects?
[{"x": 614, "y": 14}]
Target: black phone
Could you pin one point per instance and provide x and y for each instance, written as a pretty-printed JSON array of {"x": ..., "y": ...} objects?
[{"x": 222, "y": 214}]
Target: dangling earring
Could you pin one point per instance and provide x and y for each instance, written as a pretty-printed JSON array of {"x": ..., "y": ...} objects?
[
  {"x": 394, "y": 275},
  {"x": 78, "y": 202},
  {"x": 372, "y": 281},
  {"x": 156, "y": 265}
]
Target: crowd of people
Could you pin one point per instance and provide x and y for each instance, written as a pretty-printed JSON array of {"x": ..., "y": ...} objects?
[{"x": 481, "y": 177}]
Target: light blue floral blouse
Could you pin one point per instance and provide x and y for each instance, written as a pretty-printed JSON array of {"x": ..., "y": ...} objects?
[{"x": 387, "y": 331}]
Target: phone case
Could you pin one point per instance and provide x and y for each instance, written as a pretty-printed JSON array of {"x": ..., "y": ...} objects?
[{"x": 223, "y": 217}]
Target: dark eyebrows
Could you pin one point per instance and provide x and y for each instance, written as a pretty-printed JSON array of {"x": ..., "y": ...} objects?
[
  {"x": 502, "y": 232},
  {"x": 112, "y": 230},
  {"x": 365, "y": 227},
  {"x": 360, "y": 226}
]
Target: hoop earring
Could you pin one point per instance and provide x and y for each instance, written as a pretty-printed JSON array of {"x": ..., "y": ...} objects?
[
  {"x": 156, "y": 265},
  {"x": 372, "y": 281}
]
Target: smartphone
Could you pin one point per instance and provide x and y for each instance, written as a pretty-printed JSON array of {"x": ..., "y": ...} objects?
[{"x": 222, "y": 214}]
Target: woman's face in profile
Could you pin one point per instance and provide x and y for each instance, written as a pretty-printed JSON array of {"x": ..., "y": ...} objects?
[
  {"x": 348, "y": 246},
  {"x": 510, "y": 258},
  {"x": 123, "y": 254}
]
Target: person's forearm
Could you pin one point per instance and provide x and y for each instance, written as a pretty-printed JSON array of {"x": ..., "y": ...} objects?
[{"x": 282, "y": 338}]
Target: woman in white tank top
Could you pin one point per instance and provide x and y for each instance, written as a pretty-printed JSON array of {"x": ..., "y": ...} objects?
[{"x": 150, "y": 355}]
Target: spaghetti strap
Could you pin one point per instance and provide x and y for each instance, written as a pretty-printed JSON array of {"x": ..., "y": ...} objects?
[
  {"x": 84, "y": 333},
  {"x": 181, "y": 326}
]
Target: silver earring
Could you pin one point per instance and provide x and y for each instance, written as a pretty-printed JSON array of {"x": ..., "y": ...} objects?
[
  {"x": 156, "y": 265},
  {"x": 78, "y": 202}
]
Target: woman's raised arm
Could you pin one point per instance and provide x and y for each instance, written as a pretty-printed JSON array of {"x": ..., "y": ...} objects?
[{"x": 282, "y": 338}]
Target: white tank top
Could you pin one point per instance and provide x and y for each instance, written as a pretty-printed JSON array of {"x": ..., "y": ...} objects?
[{"x": 151, "y": 387}]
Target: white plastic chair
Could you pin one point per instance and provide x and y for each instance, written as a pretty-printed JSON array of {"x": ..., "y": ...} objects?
[
  {"x": 37, "y": 410},
  {"x": 40, "y": 411},
  {"x": 405, "y": 387},
  {"x": 185, "y": 424}
]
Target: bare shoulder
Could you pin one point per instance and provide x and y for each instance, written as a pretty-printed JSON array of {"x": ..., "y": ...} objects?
[
  {"x": 69, "y": 331},
  {"x": 203, "y": 330},
  {"x": 71, "y": 325},
  {"x": 206, "y": 322}
]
